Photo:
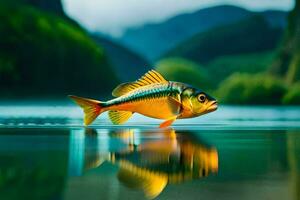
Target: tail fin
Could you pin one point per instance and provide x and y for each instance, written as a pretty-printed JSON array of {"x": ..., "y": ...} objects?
[{"x": 92, "y": 108}]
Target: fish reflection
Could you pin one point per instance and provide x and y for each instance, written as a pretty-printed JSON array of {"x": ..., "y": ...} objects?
[{"x": 168, "y": 158}]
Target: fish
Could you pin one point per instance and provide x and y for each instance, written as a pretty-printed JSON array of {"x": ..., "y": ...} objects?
[
  {"x": 150, "y": 165},
  {"x": 152, "y": 96}
]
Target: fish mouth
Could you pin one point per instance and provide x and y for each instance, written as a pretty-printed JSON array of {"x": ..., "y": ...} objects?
[{"x": 213, "y": 105}]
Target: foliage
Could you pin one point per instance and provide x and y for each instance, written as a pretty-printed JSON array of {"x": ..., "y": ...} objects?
[
  {"x": 293, "y": 95},
  {"x": 292, "y": 42},
  {"x": 293, "y": 73},
  {"x": 44, "y": 53},
  {"x": 287, "y": 64},
  {"x": 251, "y": 89},
  {"x": 247, "y": 36},
  {"x": 252, "y": 63},
  {"x": 182, "y": 70}
]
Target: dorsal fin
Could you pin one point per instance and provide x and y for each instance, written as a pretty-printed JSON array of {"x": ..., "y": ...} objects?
[
  {"x": 123, "y": 89},
  {"x": 151, "y": 77}
]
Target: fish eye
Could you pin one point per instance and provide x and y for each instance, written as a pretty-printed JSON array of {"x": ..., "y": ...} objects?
[{"x": 201, "y": 97}]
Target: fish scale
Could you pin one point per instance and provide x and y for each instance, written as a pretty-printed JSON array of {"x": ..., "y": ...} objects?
[{"x": 146, "y": 93}]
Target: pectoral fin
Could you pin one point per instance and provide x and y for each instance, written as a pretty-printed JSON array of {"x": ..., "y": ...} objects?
[{"x": 168, "y": 122}]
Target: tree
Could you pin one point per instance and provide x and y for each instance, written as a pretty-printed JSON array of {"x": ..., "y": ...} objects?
[{"x": 287, "y": 63}]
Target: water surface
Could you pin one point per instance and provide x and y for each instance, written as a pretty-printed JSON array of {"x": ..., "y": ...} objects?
[{"x": 234, "y": 153}]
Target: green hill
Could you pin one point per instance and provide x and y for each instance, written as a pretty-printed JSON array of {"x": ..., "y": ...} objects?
[
  {"x": 224, "y": 66},
  {"x": 288, "y": 62},
  {"x": 43, "y": 53},
  {"x": 252, "y": 35},
  {"x": 251, "y": 89}
]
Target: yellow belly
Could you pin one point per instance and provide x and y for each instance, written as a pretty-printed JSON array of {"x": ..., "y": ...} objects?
[{"x": 160, "y": 108}]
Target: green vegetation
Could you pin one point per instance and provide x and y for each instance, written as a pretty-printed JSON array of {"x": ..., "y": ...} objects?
[
  {"x": 182, "y": 70},
  {"x": 287, "y": 64},
  {"x": 293, "y": 95},
  {"x": 224, "y": 66},
  {"x": 240, "y": 88},
  {"x": 44, "y": 53},
  {"x": 226, "y": 50},
  {"x": 251, "y": 89},
  {"x": 293, "y": 73},
  {"x": 252, "y": 35}
]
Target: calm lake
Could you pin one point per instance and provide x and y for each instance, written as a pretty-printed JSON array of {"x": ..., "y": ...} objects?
[{"x": 233, "y": 153}]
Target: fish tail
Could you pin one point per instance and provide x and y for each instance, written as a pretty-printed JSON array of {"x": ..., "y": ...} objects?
[{"x": 92, "y": 108}]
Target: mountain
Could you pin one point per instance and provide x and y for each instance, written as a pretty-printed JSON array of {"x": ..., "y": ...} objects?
[
  {"x": 287, "y": 63},
  {"x": 43, "y": 53},
  {"x": 153, "y": 40},
  {"x": 275, "y": 18},
  {"x": 127, "y": 64},
  {"x": 251, "y": 35}
]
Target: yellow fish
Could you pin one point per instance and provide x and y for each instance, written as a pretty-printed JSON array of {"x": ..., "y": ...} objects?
[
  {"x": 153, "y": 96},
  {"x": 170, "y": 158}
]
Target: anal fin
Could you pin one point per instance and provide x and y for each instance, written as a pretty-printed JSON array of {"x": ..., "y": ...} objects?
[
  {"x": 119, "y": 117},
  {"x": 168, "y": 122}
]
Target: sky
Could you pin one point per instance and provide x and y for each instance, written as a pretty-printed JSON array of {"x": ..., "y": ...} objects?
[{"x": 113, "y": 17}]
